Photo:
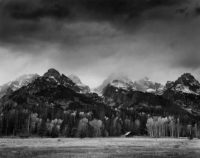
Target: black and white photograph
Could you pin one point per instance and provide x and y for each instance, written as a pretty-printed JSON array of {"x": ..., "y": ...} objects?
[{"x": 99, "y": 78}]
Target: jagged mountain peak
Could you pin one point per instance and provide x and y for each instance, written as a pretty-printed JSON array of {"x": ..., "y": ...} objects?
[
  {"x": 187, "y": 78},
  {"x": 54, "y": 77},
  {"x": 187, "y": 74},
  {"x": 117, "y": 80},
  {"x": 186, "y": 83},
  {"x": 52, "y": 73}
]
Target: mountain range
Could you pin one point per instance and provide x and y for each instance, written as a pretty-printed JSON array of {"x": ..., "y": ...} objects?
[
  {"x": 55, "y": 104},
  {"x": 124, "y": 82}
]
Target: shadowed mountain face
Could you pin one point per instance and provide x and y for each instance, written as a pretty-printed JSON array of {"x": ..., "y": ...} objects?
[
  {"x": 141, "y": 102},
  {"x": 185, "y": 92},
  {"x": 54, "y": 77}
]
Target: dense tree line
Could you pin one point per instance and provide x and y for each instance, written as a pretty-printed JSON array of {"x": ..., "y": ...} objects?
[
  {"x": 51, "y": 120},
  {"x": 171, "y": 127}
]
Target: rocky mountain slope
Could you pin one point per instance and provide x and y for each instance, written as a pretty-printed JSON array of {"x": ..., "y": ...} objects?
[
  {"x": 17, "y": 84},
  {"x": 84, "y": 88},
  {"x": 185, "y": 92},
  {"x": 186, "y": 83},
  {"x": 141, "y": 102},
  {"x": 116, "y": 80},
  {"x": 146, "y": 85},
  {"x": 123, "y": 82}
]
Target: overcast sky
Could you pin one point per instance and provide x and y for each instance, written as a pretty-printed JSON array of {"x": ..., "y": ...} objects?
[{"x": 94, "y": 38}]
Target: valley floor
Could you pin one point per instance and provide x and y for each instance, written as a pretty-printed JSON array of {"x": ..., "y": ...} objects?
[{"x": 99, "y": 148}]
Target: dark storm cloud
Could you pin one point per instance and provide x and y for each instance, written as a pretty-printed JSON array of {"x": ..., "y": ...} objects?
[
  {"x": 23, "y": 21},
  {"x": 197, "y": 10},
  {"x": 94, "y": 38},
  {"x": 104, "y": 9}
]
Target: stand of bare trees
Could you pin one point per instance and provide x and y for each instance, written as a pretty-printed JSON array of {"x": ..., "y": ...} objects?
[{"x": 170, "y": 127}]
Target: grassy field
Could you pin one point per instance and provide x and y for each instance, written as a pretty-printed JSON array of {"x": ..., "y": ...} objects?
[{"x": 99, "y": 148}]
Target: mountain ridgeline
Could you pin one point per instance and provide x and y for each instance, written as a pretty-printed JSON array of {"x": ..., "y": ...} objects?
[{"x": 55, "y": 105}]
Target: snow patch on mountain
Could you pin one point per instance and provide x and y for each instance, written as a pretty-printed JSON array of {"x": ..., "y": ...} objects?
[
  {"x": 150, "y": 90},
  {"x": 184, "y": 89},
  {"x": 124, "y": 83},
  {"x": 146, "y": 85},
  {"x": 186, "y": 83},
  {"x": 19, "y": 82},
  {"x": 119, "y": 81}
]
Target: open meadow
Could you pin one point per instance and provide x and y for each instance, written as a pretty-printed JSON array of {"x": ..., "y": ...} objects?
[{"x": 99, "y": 148}]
